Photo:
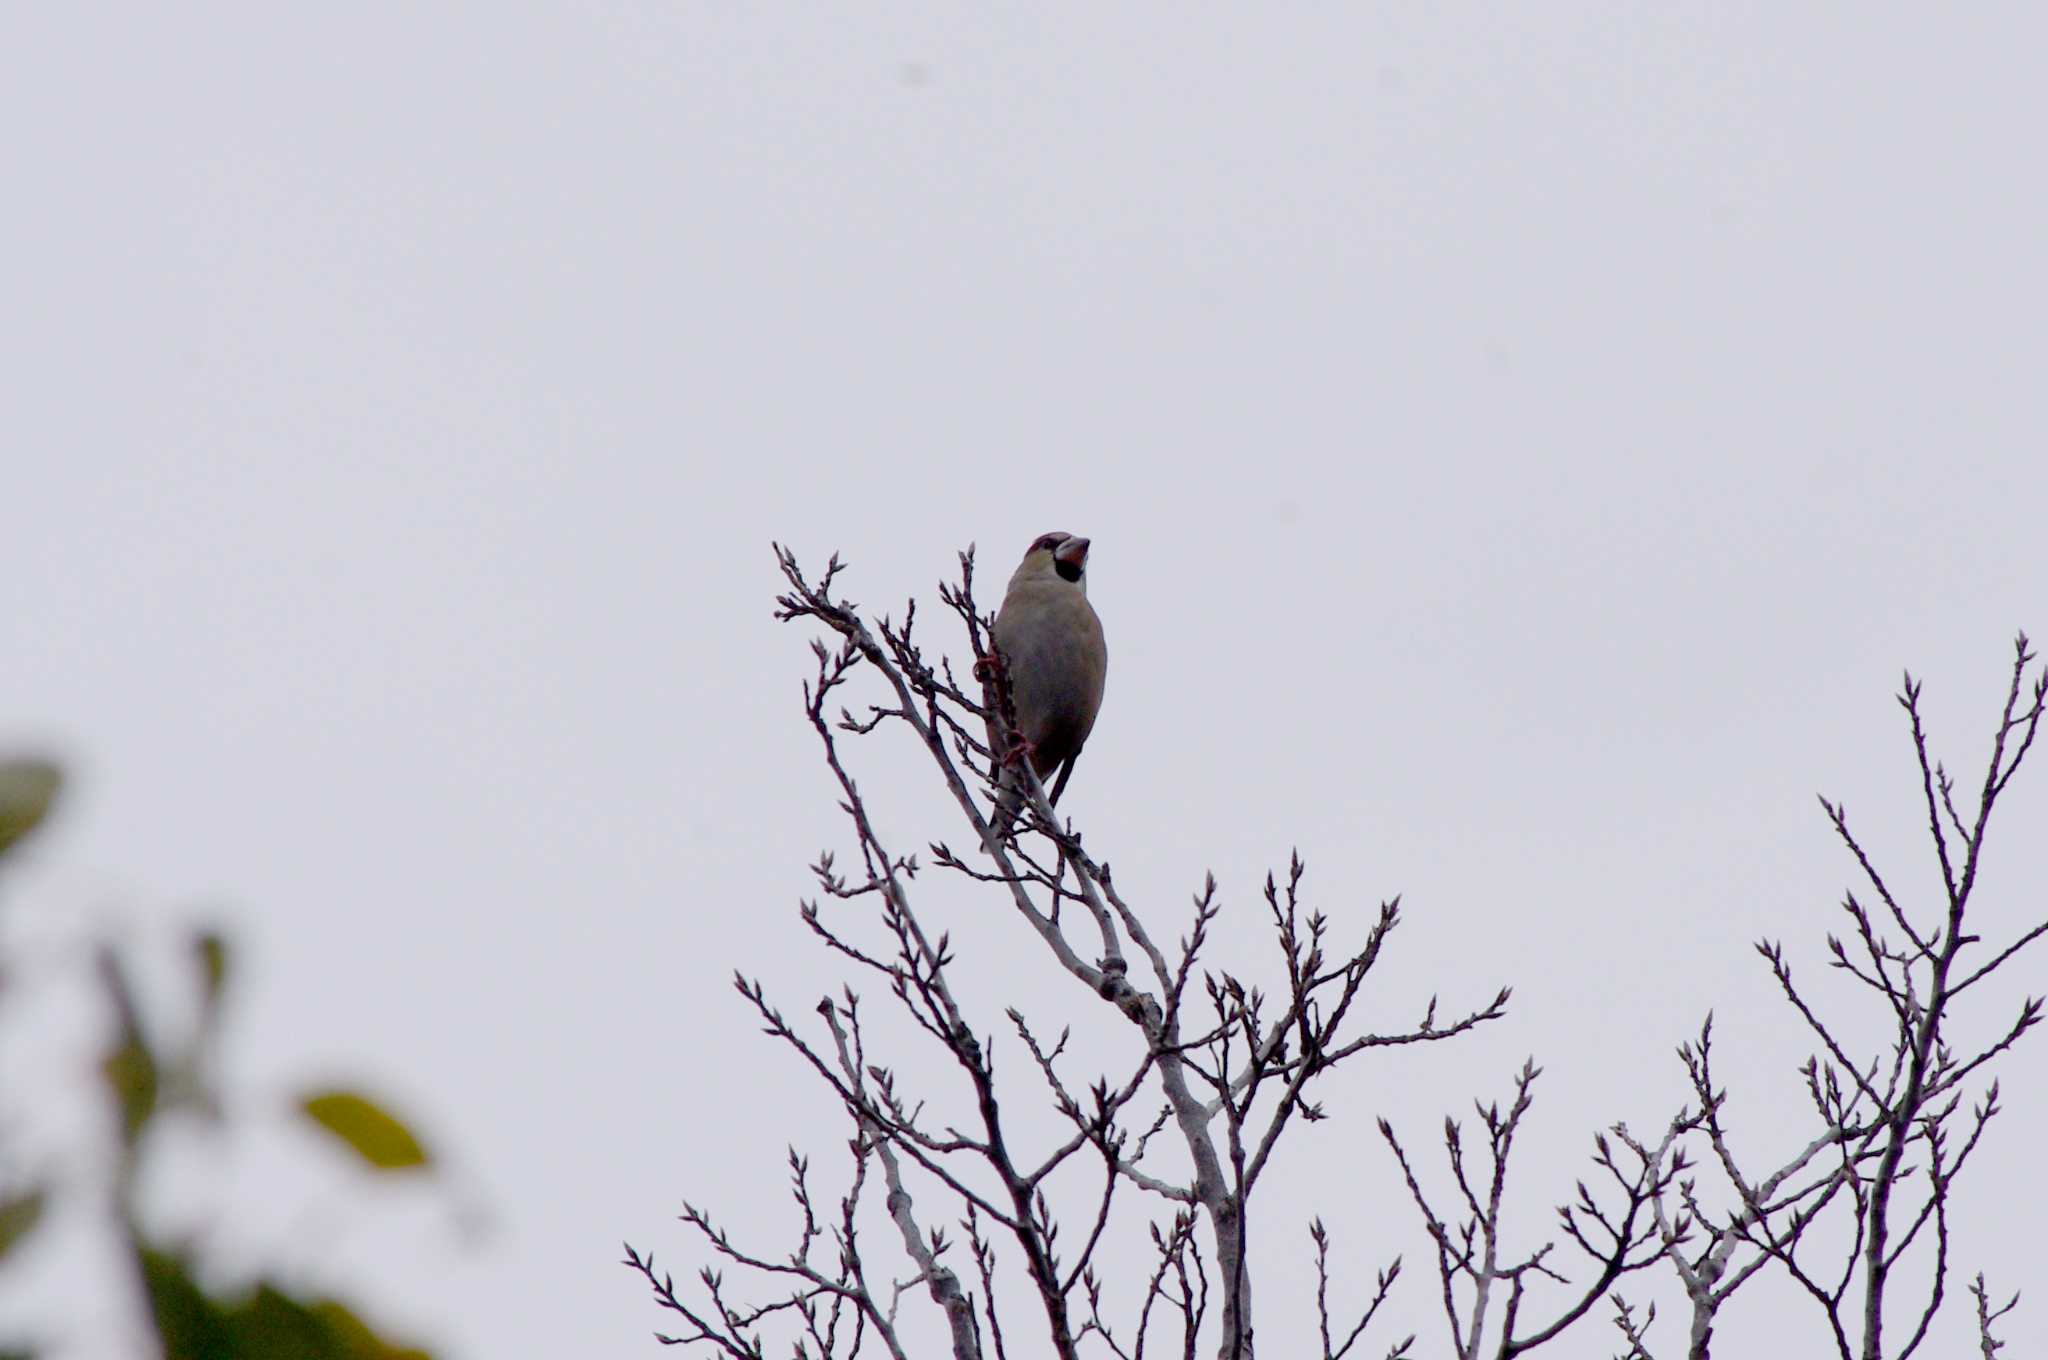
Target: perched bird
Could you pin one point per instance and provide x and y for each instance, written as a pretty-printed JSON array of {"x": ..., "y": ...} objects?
[{"x": 1052, "y": 644}]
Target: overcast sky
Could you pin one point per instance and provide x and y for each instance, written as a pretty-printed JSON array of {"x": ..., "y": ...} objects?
[{"x": 1522, "y": 444}]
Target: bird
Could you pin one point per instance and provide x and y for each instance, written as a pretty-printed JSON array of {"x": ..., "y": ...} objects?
[{"x": 1051, "y": 643}]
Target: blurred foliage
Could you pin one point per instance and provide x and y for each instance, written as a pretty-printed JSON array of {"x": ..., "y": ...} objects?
[
  {"x": 27, "y": 788},
  {"x": 19, "y": 1214},
  {"x": 266, "y": 1322},
  {"x": 255, "y": 1320},
  {"x": 377, "y": 1138}
]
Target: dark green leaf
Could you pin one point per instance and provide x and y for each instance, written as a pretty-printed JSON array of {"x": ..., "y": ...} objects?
[
  {"x": 27, "y": 788},
  {"x": 358, "y": 1338},
  {"x": 130, "y": 1067},
  {"x": 274, "y": 1326},
  {"x": 131, "y": 1072},
  {"x": 212, "y": 949},
  {"x": 192, "y": 1326},
  {"x": 18, "y": 1216}
]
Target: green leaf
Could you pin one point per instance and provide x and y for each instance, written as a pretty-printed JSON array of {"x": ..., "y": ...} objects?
[
  {"x": 212, "y": 948},
  {"x": 358, "y": 1338},
  {"x": 272, "y": 1325},
  {"x": 377, "y": 1137},
  {"x": 18, "y": 1216},
  {"x": 265, "y": 1323},
  {"x": 130, "y": 1070},
  {"x": 27, "y": 788},
  {"x": 192, "y": 1326}
]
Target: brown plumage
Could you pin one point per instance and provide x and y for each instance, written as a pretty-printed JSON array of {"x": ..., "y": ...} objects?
[{"x": 1052, "y": 643}]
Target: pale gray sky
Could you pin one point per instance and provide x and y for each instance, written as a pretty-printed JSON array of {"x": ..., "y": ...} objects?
[{"x": 1522, "y": 446}]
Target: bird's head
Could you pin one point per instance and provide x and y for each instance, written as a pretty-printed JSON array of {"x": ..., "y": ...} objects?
[{"x": 1056, "y": 554}]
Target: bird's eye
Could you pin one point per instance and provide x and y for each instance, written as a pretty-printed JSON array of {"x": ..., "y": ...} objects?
[{"x": 1050, "y": 542}]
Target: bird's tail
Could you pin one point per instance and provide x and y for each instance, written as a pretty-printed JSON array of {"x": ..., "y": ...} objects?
[{"x": 1003, "y": 776}]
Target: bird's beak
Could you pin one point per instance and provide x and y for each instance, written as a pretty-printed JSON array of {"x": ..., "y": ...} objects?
[{"x": 1074, "y": 552}]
